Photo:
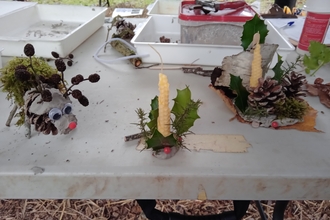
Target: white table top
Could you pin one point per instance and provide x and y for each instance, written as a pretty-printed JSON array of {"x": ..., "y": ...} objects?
[{"x": 94, "y": 161}]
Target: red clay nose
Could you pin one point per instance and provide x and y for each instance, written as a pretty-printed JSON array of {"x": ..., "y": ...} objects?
[{"x": 72, "y": 125}]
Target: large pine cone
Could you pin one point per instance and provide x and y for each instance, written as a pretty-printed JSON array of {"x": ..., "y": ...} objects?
[
  {"x": 292, "y": 84},
  {"x": 41, "y": 123},
  {"x": 266, "y": 95}
]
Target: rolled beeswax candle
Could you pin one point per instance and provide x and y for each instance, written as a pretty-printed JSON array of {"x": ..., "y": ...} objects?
[
  {"x": 163, "y": 121},
  {"x": 256, "y": 70}
]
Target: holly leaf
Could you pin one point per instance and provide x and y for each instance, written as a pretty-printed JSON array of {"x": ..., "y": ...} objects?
[
  {"x": 158, "y": 141},
  {"x": 250, "y": 28},
  {"x": 277, "y": 69},
  {"x": 182, "y": 99},
  {"x": 153, "y": 114},
  {"x": 185, "y": 111},
  {"x": 319, "y": 55},
  {"x": 242, "y": 94}
]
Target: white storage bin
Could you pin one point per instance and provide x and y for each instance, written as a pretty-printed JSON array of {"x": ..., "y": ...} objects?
[
  {"x": 179, "y": 53},
  {"x": 59, "y": 28}
]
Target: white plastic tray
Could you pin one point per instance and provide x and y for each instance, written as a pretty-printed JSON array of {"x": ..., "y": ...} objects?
[
  {"x": 164, "y": 7},
  {"x": 59, "y": 28},
  {"x": 12, "y": 6},
  {"x": 149, "y": 33}
]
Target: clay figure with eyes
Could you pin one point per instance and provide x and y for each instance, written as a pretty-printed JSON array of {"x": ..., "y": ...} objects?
[{"x": 50, "y": 117}]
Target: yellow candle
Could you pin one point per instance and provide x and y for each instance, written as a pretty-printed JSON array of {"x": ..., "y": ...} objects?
[
  {"x": 164, "y": 120},
  {"x": 256, "y": 70}
]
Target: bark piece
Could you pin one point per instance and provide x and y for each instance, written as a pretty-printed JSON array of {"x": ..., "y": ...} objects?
[
  {"x": 124, "y": 50},
  {"x": 240, "y": 65},
  {"x": 308, "y": 123}
]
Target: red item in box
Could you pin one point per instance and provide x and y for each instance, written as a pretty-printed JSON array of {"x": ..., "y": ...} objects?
[{"x": 240, "y": 14}]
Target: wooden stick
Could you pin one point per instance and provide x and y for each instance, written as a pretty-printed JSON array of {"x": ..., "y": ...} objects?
[
  {"x": 11, "y": 115},
  {"x": 133, "y": 137}
]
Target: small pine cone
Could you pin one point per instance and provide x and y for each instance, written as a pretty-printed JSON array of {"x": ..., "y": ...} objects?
[
  {"x": 22, "y": 74},
  {"x": 70, "y": 56},
  {"x": 76, "y": 94},
  {"x": 60, "y": 65},
  {"x": 29, "y": 50},
  {"x": 43, "y": 79},
  {"x": 266, "y": 95},
  {"x": 21, "y": 66},
  {"x": 77, "y": 79},
  {"x": 55, "y": 78},
  {"x": 69, "y": 63},
  {"x": 292, "y": 84},
  {"x": 83, "y": 100},
  {"x": 46, "y": 95},
  {"x": 55, "y": 54},
  {"x": 93, "y": 78}
]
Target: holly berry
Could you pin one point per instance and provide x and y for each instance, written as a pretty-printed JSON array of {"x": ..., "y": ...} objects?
[
  {"x": 275, "y": 124},
  {"x": 167, "y": 150},
  {"x": 179, "y": 139}
]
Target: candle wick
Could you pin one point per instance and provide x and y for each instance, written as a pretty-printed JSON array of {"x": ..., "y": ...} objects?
[{"x": 161, "y": 59}]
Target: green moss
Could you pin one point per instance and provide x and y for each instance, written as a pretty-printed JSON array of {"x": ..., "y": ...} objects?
[
  {"x": 292, "y": 108},
  {"x": 16, "y": 89}
]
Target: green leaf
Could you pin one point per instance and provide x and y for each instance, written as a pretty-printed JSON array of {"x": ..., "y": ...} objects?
[
  {"x": 158, "y": 141},
  {"x": 183, "y": 98},
  {"x": 242, "y": 94},
  {"x": 250, "y": 28},
  {"x": 153, "y": 114},
  {"x": 185, "y": 111},
  {"x": 277, "y": 69},
  {"x": 319, "y": 55}
]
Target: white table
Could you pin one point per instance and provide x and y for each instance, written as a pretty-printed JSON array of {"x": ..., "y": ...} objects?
[{"x": 94, "y": 161}]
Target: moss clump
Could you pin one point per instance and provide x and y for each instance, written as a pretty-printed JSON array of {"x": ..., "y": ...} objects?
[
  {"x": 292, "y": 108},
  {"x": 16, "y": 88}
]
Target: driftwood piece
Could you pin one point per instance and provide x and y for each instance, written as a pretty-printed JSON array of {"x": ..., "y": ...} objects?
[
  {"x": 124, "y": 50},
  {"x": 240, "y": 65}
]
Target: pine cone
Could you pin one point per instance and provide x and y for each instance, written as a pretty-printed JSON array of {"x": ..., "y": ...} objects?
[
  {"x": 46, "y": 95},
  {"x": 76, "y": 94},
  {"x": 60, "y": 65},
  {"x": 55, "y": 54},
  {"x": 292, "y": 84},
  {"x": 55, "y": 78},
  {"x": 22, "y": 74},
  {"x": 93, "y": 78},
  {"x": 29, "y": 50},
  {"x": 266, "y": 95},
  {"x": 77, "y": 79},
  {"x": 83, "y": 100}
]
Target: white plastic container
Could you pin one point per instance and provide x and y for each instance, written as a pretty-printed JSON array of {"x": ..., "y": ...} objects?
[
  {"x": 164, "y": 7},
  {"x": 1, "y": 49},
  {"x": 59, "y": 28},
  {"x": 201, "y": 54},
  {"x": 316, "y": 24},
  {"x": 223, "y": 27}
]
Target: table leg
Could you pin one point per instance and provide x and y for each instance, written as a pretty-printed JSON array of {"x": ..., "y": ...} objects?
[
  {"x": 148, "y": 207},
  {"x": 279, "y": 210}
]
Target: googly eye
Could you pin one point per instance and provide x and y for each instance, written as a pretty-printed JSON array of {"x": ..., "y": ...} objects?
[
  {"x": 55, "y": 114},
  {"x": 67, "y": 108}
]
